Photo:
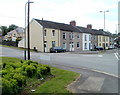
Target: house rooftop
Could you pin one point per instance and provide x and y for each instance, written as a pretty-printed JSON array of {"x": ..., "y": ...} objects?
[
  {"x": 68, "y": 27},
  {"x": 56, "y": 25}
]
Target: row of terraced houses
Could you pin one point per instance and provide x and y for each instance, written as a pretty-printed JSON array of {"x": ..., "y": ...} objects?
[{"x": 46, "y": 34}]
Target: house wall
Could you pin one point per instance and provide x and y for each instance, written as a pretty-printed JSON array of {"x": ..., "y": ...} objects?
[
  {"x": 103, "y": 41},
  {"x": 36, "y": 36},
  {"x": 86, "y": 43},
  {"x": 49, "y": 38},
  {"x": 71, "y": 43},
  {"x": 94, "y": 41}
]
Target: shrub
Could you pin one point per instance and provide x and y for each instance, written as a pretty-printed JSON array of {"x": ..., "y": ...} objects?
[
  {"x": 3, "y": 72},
  {"x": 6, "y": 87},
  {"x": 42, "y": 70},
  {"x": 4, "y": 64},
  {"x": 48, "y": 68},
  {"x": 28, "y": 62},
  {"x": 30, "y": 70},
  {"x": 8, "y": 76},
  {"x": 21, "y": 79},
  {"x": 14, "y": 85}
]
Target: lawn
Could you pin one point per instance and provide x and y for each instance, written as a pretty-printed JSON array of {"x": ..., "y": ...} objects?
[{"x": 56, "y": 83}]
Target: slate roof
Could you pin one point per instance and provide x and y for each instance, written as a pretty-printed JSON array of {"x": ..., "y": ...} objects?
[
  {"x": 68, "y": 27},
  {"x": 56, "y": 25}
]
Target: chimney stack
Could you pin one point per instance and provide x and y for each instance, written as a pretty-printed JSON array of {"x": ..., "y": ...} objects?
[
  {"x": 89, "y": 26},
  {"x": 73, "y": 23}
]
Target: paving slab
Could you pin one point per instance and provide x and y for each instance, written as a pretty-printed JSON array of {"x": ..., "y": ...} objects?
[{"x": 93, "y": 84}]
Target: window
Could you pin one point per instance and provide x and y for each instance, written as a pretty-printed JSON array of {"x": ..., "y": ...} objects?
[
  {"x": 103, "y": 39},
  {"x": 64, "y": 35},
  {"x": 78, "y": 45},
  {"x": 100, "y": 39},
  {"x": 85, "y": 37},
  {"x": 78, "y": 36},
  {"x": 64, "y": 46},
  {"x": 53, "y": 32},
  {"x": 85, "y": 45},
  {"x": 44, "y": 32},
  {"x": 71, "y": 36},
  {"x": 106, "y": 38},
  {"x": 53, "y": 43},
  {"x": 90, "y": 37}
]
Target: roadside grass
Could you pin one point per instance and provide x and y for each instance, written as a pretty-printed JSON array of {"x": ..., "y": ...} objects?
[
  {"x": 59, "y": 83},
  {"x": 56, "y": 83}
]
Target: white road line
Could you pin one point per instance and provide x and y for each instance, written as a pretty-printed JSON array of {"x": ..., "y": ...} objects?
[{"x": 116, "y": 56}]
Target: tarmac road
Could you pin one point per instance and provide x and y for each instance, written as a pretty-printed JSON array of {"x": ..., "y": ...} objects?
[{"x": 106, "y": 65}]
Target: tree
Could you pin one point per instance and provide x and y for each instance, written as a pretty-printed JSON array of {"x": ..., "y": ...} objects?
[
  {"x": 4, "y": 30},
  {"x": 12, "y": 27}
]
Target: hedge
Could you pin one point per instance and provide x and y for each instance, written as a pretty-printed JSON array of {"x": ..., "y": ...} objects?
[{"x": 14, "y": 75}]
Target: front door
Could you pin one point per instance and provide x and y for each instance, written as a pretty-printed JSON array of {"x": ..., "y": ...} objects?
[
  {"x": 71, "y": 46},
  {"x": 45, "y": 46}
]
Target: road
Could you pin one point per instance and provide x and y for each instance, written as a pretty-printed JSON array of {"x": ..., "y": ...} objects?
[
  {"x": 88, "y": 65},
  {"x": 104, "y": 62}
]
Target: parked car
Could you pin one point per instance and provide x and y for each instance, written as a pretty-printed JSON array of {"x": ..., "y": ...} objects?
[
  {"x": 57, "y": 49},
  {"x": 111, "y": 47},
  {"x": 99, "y": 48}
]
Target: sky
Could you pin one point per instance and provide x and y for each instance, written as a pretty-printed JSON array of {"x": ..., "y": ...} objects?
[{"x": 82, "y": 11}]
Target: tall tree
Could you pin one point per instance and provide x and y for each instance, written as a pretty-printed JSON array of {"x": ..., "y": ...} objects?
[
  {"x": 12, "y": 27},
  {"x": 4, "y": 30}
]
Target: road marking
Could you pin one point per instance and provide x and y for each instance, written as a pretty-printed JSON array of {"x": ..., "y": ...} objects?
[{"x": 116, "y": 56}]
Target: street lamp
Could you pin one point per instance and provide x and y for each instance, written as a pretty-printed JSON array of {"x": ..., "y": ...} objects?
[
  {"x": 28, "y": 31},
  {"x": 104, "y": 16}
]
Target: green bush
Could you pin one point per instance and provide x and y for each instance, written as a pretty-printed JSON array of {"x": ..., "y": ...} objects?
[
  {"x": 14, "y": 85},
  {"x": 4, "y": 64},
  {"x": 14, "y": 75},
  {"x": 8, "y": 76},
  {"x": 48, "y": 68},
  {"x": 28, "y": 62},
  {"x": 3, "y": 72},
  {"x": 21, "y": 79},
  {"x": 30, "y": 70},
  {"x": 6, "y": 87}
]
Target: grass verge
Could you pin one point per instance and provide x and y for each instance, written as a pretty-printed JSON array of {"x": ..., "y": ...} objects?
[{"x": 56, "y": 84}]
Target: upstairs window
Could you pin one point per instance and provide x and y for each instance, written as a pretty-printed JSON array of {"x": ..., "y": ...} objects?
[
  {"x": 45, "y": 32},
  {"x": 85, "y": 37},
  {"x": 64, "y": 35},
  {"x": 53, "y": 32},
  {"x": 78, "y": 36}
]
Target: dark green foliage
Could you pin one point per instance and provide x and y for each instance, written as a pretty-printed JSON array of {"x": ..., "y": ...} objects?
[
  {"x": 14, "y": 75},
  {"x": 21, "y": 79},
  {"x": 30, "y": 70},
  {"x": 6, "y": 87},
  {"x": 4, "y": 64}
]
